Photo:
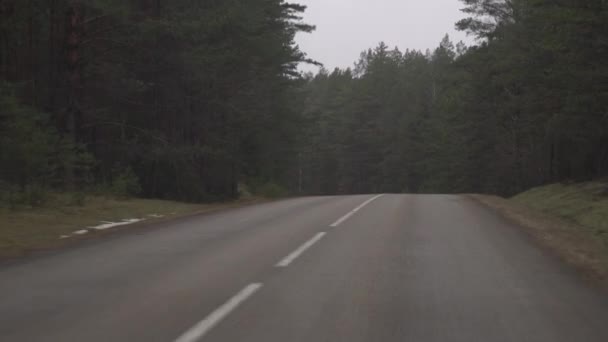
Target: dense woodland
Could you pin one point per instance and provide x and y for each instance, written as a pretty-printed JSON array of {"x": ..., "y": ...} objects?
[
  {"x": 198, "y": 100},
  {"x": 179, "y": 99},
  {"x": 527, "y": 106}
]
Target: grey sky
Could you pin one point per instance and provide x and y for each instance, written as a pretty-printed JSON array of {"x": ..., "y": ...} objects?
[{"x": 347, "y": 27}]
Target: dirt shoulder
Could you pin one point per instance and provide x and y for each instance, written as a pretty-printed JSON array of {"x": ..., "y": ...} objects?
[
  {"x": 26, "y": 231},
  {"x": 576, "y": 244}
]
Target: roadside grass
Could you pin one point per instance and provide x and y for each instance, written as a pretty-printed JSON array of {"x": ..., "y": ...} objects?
[
  {"x": 26, "y": 230},
  {"x": 585, "y": 204},
  {"x": 569, "y": 219}
]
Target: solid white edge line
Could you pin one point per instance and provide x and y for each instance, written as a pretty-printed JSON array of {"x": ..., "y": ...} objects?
[
  {"x": 295, "y": 254},
  {"x": 354, "y": 211},
  {"x": 203, "y": 327}
]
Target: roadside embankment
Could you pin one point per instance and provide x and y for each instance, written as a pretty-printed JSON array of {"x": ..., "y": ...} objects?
[{"x": 569, "y": 219}]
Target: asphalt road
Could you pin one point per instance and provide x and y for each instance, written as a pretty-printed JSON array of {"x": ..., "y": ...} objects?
[{"x": 355, "y": 268}]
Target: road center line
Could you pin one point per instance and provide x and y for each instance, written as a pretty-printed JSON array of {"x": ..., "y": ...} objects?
[
  {"x": 354, "y": 211},
  {"x": 295, "y": 254},
  {"x": 203, "y": 327}
]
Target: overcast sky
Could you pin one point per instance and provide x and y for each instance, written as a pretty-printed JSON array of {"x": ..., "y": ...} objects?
[{"x": 347, "y": 27}]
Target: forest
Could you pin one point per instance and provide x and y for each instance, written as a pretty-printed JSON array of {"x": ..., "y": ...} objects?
[
  {"x": 526, "y": 106},
  {"x": 196, "y": 100}
]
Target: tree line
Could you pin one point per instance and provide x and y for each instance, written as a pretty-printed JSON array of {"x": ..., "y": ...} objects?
[
  {"x": 179, "y": 99},
  {"x": 528, "y": 105},
  {"x": 191, "y": 99}
]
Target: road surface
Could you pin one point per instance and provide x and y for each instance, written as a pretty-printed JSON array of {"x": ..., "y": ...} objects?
[{"x": 352, "y": 268}]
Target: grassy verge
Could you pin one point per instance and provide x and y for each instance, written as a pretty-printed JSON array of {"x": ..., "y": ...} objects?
[
  {"x": 569, "y": 219},
  {"x": 585, "y": 204},
  {"x": 26, "y": 230}
]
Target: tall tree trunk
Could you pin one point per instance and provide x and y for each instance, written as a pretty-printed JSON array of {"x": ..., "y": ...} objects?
[
  {"x": 7, "y": 70},
  {"x": 30, "y": 59},
  {"x": 74, "y": 33},
  {"x": 52, "y": 64},
  {"x": 4, "y": 37}
]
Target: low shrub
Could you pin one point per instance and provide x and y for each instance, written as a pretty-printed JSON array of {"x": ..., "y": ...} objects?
[
  {"x": 271, "y": 190},
  {"x": 126, "y": 184}
]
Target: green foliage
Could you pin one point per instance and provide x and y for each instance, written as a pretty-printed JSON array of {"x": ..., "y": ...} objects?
[
  {"x": 27, "y": 145},
  {"x": 525, "y": 107},
  {"x": 126, "y": 184},
  {"x": 191, "y": 96},
  {"x": 77, "y": 198},
  {"x": 34, "y": 157},
  {"x": 244, "y": 191},
  {"x": 31, "y": 196},
  {"x": 270, "y": 190}
]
